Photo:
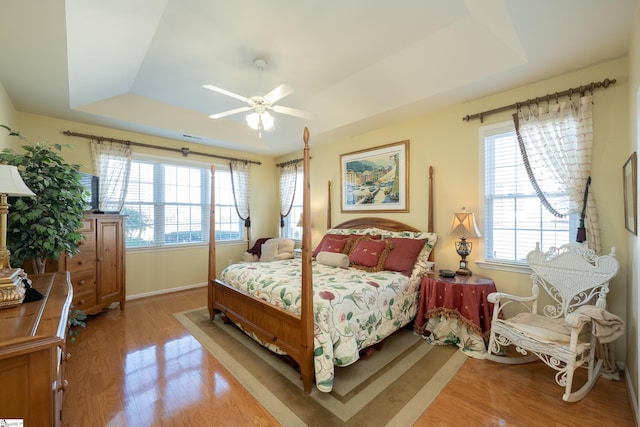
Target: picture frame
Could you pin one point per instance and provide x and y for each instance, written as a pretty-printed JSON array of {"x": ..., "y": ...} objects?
[
  {"x": 630, "y": 185},
  {"x": 375, "y": 179}
]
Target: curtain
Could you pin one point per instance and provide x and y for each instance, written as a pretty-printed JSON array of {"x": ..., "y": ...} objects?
[
  {"x": 112, "y": 163},
  {"x": 288, "y": 177},
  {"x": 240, "y": 184},
  {"x": 556, "y": 141}
]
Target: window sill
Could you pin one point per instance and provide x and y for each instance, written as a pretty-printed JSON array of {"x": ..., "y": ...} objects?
[
  {"x": 179, "y": 246},
  {"x": 504, "y": 266}
]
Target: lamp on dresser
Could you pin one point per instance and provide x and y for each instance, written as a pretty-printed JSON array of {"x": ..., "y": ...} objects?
[
  {"x": 463, "y": 225},
  {"x": 11, "y": 289}
]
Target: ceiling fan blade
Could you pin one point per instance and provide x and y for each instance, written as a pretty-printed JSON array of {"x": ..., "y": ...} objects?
[
  {"x": 230, "y": 112},
  {"x": 278, "y": 93},
  {"x": 292, "y": 112},
  {"x": 226, "y": 92}
]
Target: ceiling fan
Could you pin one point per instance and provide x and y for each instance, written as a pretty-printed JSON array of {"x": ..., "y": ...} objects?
[{"x": 260, "y": 119}]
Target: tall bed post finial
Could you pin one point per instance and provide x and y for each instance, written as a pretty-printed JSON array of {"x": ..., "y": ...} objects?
[{"x": 306, "y": 315}]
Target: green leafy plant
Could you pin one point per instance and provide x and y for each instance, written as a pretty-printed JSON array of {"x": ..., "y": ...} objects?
[
  {"x": 76, "y": 321},
  {"x": 44, "y": 227}
]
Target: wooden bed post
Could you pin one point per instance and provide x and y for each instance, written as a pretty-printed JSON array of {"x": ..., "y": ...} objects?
[
  {"x": 306, "y": 314},
  {"x": 328, "y": 205},
  {"x": 212, "y": 245}
]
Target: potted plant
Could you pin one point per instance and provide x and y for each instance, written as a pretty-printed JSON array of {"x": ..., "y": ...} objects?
[{"x": 44, "y": 227}]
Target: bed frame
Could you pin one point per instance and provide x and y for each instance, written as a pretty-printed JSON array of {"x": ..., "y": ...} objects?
[{"x": 291, "y": 333}]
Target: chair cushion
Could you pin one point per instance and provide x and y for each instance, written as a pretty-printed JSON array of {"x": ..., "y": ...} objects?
[{"x": 542, "y": 328}]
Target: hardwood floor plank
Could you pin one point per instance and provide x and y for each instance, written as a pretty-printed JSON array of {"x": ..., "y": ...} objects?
[{"x": 140, "y": 367}]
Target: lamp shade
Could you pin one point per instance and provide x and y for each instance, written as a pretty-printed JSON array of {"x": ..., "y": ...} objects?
[
  {"x": 11, "y": 183},
  {"x": 463, "y": 225}
]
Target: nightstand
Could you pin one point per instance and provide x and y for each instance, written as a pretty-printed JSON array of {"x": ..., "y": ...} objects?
[
  {"x": 455, "y": 310},
  {"x": 297, "y": 253}
]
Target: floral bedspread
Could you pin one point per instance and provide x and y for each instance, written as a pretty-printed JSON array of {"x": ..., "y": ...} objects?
[{"x": 353, "y": 309}]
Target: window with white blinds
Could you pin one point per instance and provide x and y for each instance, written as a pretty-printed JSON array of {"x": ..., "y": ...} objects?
[
  {"x": 169, "y": 204},
  {"x": 291, "y": 229},
  {"x": 514, "y": 217}
]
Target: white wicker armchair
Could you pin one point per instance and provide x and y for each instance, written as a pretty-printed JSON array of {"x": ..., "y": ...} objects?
[{"x": 567, "y": 332}]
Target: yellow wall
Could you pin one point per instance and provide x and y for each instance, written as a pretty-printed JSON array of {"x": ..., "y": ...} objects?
[
  {"x": 7, "y": 117},
  {"x": 633, "y": 245},
  {"x": 442, "y": 140},
  {"x": 153, "y": 271}
]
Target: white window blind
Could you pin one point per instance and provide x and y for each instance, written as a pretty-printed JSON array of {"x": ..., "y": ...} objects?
[
  {"x": 515, "y": 219},
  {"x": 291, "y": 229},
  {"x": 168, "y": 204}
]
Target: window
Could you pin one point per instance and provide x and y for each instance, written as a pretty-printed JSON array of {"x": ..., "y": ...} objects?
[
  {"x": 515, "y": 219},
  {"x": 168, "y": 204},
  {"x": 291, "y": 229}
]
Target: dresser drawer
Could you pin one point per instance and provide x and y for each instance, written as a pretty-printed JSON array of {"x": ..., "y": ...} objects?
[
  {"x": 83, "y": 281},
  {"x": 84, "y": 300},
  {"x": 84, "y": 260},
  {"x": 88, "y": 226}
]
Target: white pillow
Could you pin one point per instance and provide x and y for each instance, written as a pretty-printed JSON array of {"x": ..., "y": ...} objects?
[
  {"x": 333, "y": 259},
  {"x": 268, "y": 250}
]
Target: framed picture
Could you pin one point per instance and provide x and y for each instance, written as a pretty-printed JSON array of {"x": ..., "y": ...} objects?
[
  {"x": 630, "y": 180},
  {"x": 375, "y": 179}
]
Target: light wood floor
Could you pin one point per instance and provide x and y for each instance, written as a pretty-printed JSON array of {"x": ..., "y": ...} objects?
[{"x": 140, "y": 368}]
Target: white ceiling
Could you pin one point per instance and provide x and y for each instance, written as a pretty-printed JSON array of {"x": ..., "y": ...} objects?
[{"x": 139, "y": 65}]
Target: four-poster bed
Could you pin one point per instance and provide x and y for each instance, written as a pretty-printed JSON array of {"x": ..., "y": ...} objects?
[{"x": 248, "y": 294}]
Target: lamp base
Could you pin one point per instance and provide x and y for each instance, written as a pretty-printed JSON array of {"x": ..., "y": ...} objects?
[{"x": 12, "y": 290}]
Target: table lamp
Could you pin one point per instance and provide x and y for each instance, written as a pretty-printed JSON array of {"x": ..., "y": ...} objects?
[
  {"x": 463, "y": 225},
  {"x": 11, "y": 288}
]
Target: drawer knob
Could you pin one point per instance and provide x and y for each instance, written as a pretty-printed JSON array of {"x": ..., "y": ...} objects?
[{"x": 81, "y": 282}]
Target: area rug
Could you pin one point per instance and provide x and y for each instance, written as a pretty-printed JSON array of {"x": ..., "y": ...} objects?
[{"x": 393, "y": 386}]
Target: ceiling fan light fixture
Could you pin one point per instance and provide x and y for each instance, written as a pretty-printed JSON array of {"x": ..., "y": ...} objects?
[
  {"x": 260, "y": 121},
  {"x": 253, "y": 120},
  {"x": 267, "y": 120}
]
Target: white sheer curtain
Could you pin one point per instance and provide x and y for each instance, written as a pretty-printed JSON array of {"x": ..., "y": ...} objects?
[
  {"x": 112, "y": 163},
  {"x": 288, "y": 176},
  {"x": 556, "y": 142},
  {"x": 241, "y": 185}
]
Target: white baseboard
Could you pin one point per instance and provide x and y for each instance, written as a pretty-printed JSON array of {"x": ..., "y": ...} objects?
[
  {"x": 165, "y": 291},
  {"x": 632, "y": 396}
]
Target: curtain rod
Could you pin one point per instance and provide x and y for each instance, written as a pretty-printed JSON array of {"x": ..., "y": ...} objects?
[
  {"x": 184, "y": 150},
  {"x": 581, "y": 89},
  {"x": 289, "y": 162}
]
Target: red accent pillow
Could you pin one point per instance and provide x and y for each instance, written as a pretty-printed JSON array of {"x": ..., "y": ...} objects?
[
  {"x": 403, "y": 255},
  {"x": 325, "y": 237},
  {"x": 334, "y": 245},
  {"x": 369, "y": 254},
  {"x": 350, "y": 238}
]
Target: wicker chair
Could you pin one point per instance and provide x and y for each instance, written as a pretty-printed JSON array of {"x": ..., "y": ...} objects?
[{"x": 567, "y": 332}]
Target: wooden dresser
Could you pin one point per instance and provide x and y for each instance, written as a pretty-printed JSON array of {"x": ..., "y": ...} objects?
[
  {"x": 98, "y": 271},
  {"x": 32, "y": 353}
]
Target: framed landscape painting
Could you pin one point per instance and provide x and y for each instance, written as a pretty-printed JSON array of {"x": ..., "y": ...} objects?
[{"x": 375, "y": 179}]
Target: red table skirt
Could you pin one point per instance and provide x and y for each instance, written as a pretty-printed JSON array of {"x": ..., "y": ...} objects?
[{"x": 456, "y": 311}]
